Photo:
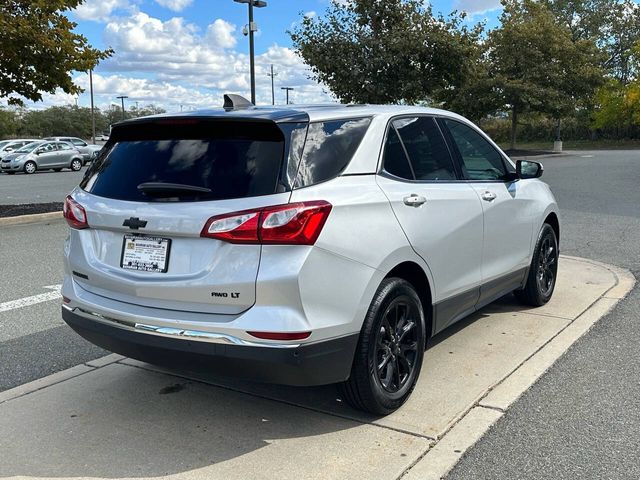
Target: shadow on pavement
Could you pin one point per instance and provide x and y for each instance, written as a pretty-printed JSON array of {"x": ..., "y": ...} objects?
[{"x": 133, "y": 423}]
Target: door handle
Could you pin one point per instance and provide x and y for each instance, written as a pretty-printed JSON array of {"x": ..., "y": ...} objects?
[
  {"x": 414, "y": 200},
  {"x": 488, "y": 196}
]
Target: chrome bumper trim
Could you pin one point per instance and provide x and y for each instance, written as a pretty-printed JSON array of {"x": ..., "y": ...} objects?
[{"x": 171, "y": 332}]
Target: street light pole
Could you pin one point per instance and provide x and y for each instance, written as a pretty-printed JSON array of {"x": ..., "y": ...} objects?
[
  {"x": 252, "y": 28},
  {"x": 273, "y": 95},
  {"x": 93, "y": 115},
  {"x": 287, "y": 89},
  {"x": 122, "y": 97}
]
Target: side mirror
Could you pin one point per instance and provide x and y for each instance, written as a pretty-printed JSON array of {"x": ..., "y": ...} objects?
[
  {"x": 527, "y": 169},
  {"x": 8, "y": 149}
]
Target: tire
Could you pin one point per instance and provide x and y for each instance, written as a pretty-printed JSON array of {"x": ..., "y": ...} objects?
[
  {"x": 57, "y": 169},
  {"x": 30, "y": 167},
  {"x": 371, "y": 386},
  {"x": 76, "y": 165},
  {"x": 543, "y": 271}
]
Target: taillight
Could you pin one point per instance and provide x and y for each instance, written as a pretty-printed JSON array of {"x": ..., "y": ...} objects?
[
  {"x": 74, "y": 213},
  {"x": 289, "y": 224}
]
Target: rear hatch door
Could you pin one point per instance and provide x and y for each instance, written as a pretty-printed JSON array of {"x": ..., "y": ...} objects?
[{"x": 147, "y": 198}]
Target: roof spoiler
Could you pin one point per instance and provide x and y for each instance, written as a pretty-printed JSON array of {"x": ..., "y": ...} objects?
[{"x": 235, "y": 102}]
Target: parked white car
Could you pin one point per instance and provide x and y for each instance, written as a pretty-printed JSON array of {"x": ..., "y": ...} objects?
[{"x": 302, "y": 245}]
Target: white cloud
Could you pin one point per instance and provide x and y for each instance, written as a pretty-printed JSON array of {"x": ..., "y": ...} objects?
[
  {"x": 175, "y": 5},
  {"x": 98, "y": 10},
  {"x": 177, "y": 52},
  {"x": 476, "y": 6},
  {"x": 174, "y": 62},
  {"x": 220, "y": 33}
]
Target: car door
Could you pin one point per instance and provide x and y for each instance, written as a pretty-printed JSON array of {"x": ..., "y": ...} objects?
[
  {"x": 81, "y": 146},
  {"x": 508, "y": 219},
  {"x": 47, "y": 156},
  {"x": 65, "y": 152},
  {"x": 440, "y": 214}
]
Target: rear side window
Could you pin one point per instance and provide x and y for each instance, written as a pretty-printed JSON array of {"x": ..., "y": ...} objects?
[
  {"x": 328, "y": 149},
  {"x": 428, "y": 153},
  {"x": 222, "y": 160},
  {"x": 395, "y": 159}
]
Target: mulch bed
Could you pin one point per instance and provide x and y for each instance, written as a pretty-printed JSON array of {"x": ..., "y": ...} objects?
[{"x": 29, "y": 209}]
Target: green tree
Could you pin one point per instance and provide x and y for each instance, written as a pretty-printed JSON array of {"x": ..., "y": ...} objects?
[
  {"x": 613, "y": 24},
  {"x": 385, "y": 51},
  {"x": 8, "y": 123},
  {"x": 475, "y": 96},
  {"x": 38, "y": 49},
  {"x": 537, "y": 66}
]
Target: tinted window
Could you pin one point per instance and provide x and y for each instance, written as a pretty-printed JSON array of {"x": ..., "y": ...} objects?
[
  {"x": 233, "y": 160},
  {"x": 426, "y": 148},
  {"x": 395, "y": 160},
  {"x": 78, "y": 143},
  {"x": 328, "y": 149},
  {"x": 29, "y": 147},
  {"x": 481, "y": 161},
  {"x": 48, "y": 147},
  {"x": 63, "y": 146}
]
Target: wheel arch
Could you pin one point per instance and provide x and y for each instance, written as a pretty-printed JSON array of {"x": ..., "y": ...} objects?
[
  {"x": 553, "y": 220},
  {"x": 417, "y": 277}
]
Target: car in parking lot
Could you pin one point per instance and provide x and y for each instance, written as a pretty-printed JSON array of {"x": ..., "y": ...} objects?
[
  {"x": 42, "y": 155},
  {"x": 87, "y": 150},
  {"x": 302, "y": 245},
  {"x": 9, "y": 146}
]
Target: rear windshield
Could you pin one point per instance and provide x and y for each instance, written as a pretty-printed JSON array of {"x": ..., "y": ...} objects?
[
  {"x": 218, "y": 160},
  {"x": 224, "y": 160}
]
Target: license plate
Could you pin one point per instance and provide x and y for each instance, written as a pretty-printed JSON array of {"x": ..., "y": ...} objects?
[{"x": 149, "y": 254}]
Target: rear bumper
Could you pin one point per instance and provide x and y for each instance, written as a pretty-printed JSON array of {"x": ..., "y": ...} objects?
[{"x": 318, "y": 363}]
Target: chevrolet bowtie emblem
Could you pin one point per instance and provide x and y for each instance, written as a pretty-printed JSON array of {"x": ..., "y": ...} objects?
[{"x": 134, "y": 223}]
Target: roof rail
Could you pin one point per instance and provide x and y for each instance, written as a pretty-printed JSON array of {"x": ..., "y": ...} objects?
[{"x": 235, "y": 102}]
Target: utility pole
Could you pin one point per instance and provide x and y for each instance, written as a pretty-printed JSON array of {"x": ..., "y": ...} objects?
[
  {"x": 122, "y": 97},
  {"x": 287, "y": 89},
  {"x": 273, "y": 95},
  {"x": 93, "y": 115},
  {"x": 252, "y": 28}
]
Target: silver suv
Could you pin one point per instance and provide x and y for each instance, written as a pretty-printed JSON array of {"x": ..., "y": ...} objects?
[{"x": 302, "y": 245}]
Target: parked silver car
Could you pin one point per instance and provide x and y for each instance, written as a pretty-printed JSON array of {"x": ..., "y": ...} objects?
[
  {"x": 9, "y": 146},
  {"x": 42, "y": 155},
  {"x": 88, "y": 151},
  {"x": 302, "y": 245}
]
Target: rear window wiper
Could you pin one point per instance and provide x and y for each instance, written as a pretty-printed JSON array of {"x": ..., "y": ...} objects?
[{"x": 162, "y": 189}]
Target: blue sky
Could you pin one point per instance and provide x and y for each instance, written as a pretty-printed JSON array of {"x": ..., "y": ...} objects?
[{"x": 186, "y": 53}]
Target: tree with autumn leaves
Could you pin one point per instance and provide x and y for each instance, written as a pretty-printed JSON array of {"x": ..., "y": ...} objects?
[{"x": 549, "y": 57}]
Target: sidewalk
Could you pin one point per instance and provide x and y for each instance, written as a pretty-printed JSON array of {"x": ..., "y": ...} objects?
[{"x": 118, "y": 418}]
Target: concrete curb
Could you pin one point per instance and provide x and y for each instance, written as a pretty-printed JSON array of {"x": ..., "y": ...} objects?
[
  {"x": 34, "y": 218},
  {"x": 440, "y": 459}
]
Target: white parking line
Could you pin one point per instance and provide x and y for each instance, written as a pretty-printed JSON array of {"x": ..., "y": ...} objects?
[{"x": 34, "y": 299}]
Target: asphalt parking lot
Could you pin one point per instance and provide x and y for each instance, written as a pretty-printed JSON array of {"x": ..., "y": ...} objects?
[
  {"x": 41, "y": 187},
  {"x": 579, "y": 421}
]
